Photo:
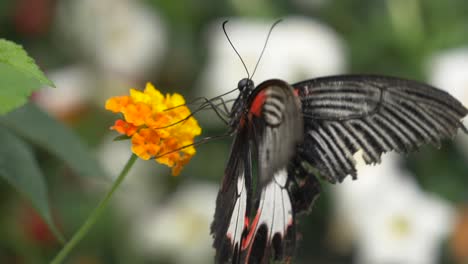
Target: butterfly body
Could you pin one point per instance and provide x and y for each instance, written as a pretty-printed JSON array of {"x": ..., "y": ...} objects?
[
  {"x": 282, "y": 129},
  {"x": 240, "y": 107}
]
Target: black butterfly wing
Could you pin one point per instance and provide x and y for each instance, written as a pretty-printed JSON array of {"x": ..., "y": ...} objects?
[
  {"x": 233, "y": 203},
  {"x": 304, "y": 187},
  {"x": 275, "y": 126},
  {"x": 375, "y": 114},
  {"x": 272, "y": 233},
  {"x": 271, "y": 127}
]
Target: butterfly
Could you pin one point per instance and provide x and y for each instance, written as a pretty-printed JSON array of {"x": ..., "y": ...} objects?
[
  {"x": 292, "y": 135},
  {"x": 285, "y": 129}
]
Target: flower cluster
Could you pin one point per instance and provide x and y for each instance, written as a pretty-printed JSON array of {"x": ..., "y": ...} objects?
[{"x": 160, "y": 126}]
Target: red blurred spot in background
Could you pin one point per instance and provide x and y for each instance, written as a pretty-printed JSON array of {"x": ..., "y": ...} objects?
[
  {"x": 35, "y": 229},
  {"x": 460, "y": 237},
  {"x": 32, "y": 17}
]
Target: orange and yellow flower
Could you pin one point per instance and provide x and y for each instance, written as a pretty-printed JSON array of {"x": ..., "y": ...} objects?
[{"x": 160, "y": 126}]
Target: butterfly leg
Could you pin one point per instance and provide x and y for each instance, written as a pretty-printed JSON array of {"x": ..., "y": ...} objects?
[{"x": 223, "y": 114}]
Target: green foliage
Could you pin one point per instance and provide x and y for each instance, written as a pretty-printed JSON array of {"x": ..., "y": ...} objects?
[
  {"x": 42, "y": 130},
  {"x": 18, "y": 165},
  {"x": 19, "y": 168},
  {"x": 20, "y": 76}
]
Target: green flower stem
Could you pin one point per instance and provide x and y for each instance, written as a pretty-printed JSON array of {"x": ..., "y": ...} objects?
[{"x": 92, "y": 219}]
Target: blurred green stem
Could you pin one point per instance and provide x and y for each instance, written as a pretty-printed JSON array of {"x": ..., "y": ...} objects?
[{"x": 92, "y": 219}]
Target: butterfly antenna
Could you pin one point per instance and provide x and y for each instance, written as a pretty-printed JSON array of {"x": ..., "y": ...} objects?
[
  {"x": 264, "y": 45},
  {"x": 196, "y": 100},
  {"x": 234, "y": 48}
]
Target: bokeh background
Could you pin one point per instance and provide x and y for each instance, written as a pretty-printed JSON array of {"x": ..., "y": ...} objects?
[{"x": 409, "y": 210}]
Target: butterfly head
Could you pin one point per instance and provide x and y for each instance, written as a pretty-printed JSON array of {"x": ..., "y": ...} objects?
[{"x": 245, "y": 85}]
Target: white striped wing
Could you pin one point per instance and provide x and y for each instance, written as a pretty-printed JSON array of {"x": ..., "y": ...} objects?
[{"x": 375, "y": 114}]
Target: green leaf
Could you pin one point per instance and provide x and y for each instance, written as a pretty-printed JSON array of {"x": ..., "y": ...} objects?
[
  {"x": 19, "y": 76},
  {"x": 19, "y": 168},
  {"x": 35, "y": 125},
  {"x": 14, "y": 55}
]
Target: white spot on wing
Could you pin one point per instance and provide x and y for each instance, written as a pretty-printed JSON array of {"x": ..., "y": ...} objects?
[
  {"x": 236, "y": 225},
  {"x": 276, "y": 208}
]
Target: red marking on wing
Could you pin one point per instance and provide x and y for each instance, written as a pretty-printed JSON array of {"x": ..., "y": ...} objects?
[
  {"x": 257, "y": 103},
  {"x": 248, "y": 238},
  {"x": 296, "y": 91},
  {"x": 246, "y": 222},
  {"x": 242, "y": 122}
]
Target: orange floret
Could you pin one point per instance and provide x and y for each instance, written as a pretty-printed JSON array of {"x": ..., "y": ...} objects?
[
  {"x": 118, "y": 103},
  {"x": 160, "y": 127},
  {"x": 124, "y": 128}
]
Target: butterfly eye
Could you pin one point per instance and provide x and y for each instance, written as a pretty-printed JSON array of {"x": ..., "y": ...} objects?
[{"x": 245, "y": 83}]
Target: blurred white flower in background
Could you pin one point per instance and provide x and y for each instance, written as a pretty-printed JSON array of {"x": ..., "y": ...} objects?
[
  {"x": 389, "y": 218},
  {"x": 77, "y": 86},
  {"x": 448, "y": 70},
  {"x": 74, "y": 89},
  {"x": 120, "y": 36},
  {"x": 352, "y": 198},
  {"x": 179, "y": 230},
  {"x": 407, "y": 226},
  {"x": 299, "y": 48},
  {"x": 110, "y": 84}
]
